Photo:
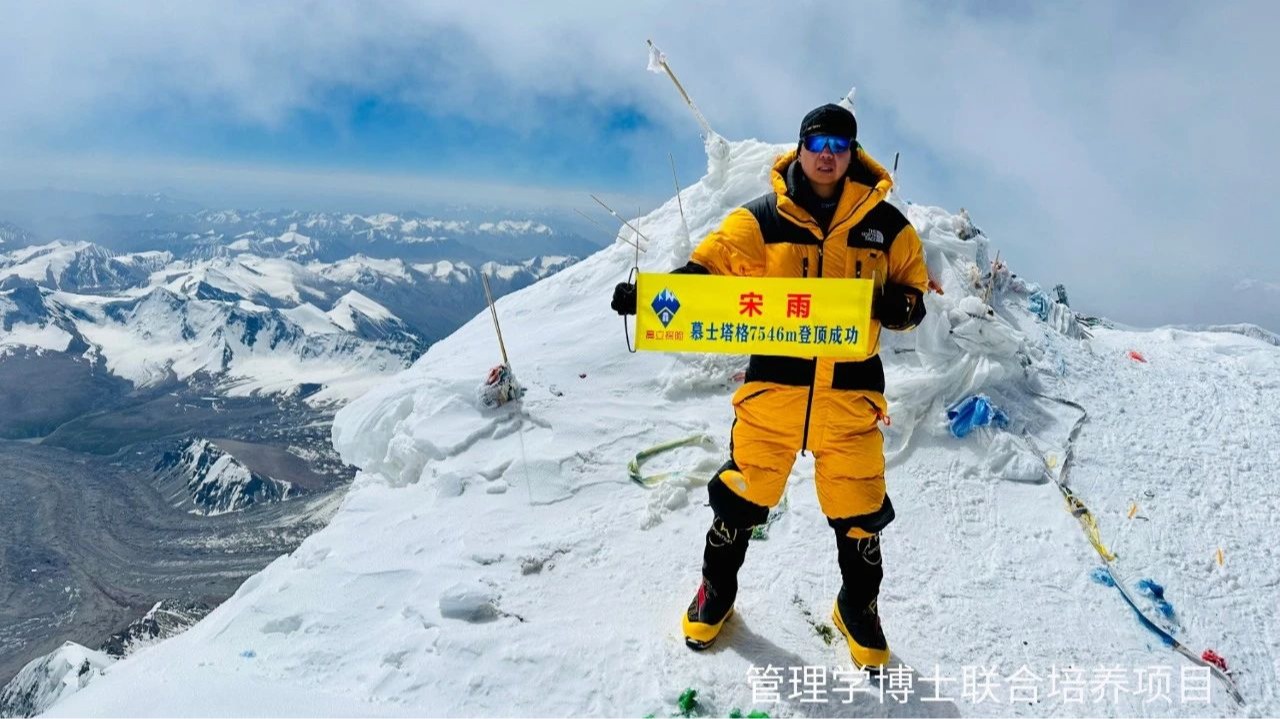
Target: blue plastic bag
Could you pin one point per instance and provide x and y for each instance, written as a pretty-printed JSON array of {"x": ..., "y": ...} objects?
[
  {"x": 973, "y": 412},
  {"x": 1039, "y": 306}
]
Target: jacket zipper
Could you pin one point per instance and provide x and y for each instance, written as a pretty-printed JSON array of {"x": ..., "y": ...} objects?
[{"x": 808, "y": 407}]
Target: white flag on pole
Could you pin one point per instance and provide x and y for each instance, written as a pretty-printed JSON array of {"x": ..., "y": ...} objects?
[{"x": 656, "y": 59}]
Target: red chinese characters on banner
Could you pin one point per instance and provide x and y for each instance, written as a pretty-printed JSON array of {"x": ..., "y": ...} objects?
[
  {"x": 751, "y": 304},
  {"x": 798, "y": 305}
]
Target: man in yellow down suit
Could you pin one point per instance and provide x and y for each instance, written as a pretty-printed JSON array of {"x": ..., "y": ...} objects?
[{"x": 825, "y": 216}]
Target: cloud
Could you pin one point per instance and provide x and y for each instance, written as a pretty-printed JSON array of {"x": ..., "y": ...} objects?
[
  {"x": 257, "y": 186},
  {"x": 1249, "y": 284},
  {"x": 1125, "y": 151}
]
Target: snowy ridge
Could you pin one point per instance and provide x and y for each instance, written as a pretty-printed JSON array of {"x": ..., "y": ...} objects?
[
  {"x": 30, "y": 319},
  {"x": 358, "y": 314},
  {"x": 289, "y": 244},
  {"x": 359, "y": 268},
  {"x": 73, "y": 266},
  {"x": 270, "y": 281},
  {"x": 482, "y": 559},
  {"x": 54, "y": 677},
  {"x": 165, "y": 619},
  {"x": 1244, "y": 328}
]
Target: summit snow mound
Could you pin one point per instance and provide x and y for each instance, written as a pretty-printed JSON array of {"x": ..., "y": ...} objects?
[{"x": 502, "y": 562}]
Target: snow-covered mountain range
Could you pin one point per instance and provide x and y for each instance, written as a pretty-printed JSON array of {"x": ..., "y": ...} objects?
[
  {"x": 323, "y": 236},
  {"x": 249, "y": 322},
  {"x": 502, "y": 561}
]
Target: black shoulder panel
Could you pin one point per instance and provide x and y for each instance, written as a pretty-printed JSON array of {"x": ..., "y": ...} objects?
[
  {"x": 765, "y": 209},
  {"x": 878, "y": 228},
  {"x": 773, "y": 227}
]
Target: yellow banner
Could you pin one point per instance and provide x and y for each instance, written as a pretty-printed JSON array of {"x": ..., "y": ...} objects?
[{"x": 791, "y": 316}]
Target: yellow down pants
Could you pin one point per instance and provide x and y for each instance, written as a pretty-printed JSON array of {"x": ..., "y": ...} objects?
[{"x": 843, "y": 434}]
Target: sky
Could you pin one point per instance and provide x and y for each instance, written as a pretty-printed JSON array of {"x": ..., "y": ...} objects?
[{"x": 1126, "y": 150}]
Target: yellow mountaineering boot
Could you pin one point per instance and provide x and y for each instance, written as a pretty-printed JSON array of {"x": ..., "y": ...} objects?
[
  {"x": 706, "y": 615},
  {"x": 722, "y": 557},
  {"x": 861, "y": 629}
]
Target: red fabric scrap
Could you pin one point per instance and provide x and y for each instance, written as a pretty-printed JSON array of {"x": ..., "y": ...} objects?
[{"x": 1215, "y": 659}]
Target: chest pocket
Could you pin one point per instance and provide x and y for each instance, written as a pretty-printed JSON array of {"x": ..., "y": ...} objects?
[{"x": 868, "y": 255}]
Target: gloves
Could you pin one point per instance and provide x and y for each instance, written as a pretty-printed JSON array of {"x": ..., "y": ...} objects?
[
  {"x": 624, "y": 293},
  {"x": 898, "y": 307},
  {"x": 624, "y": 298}
]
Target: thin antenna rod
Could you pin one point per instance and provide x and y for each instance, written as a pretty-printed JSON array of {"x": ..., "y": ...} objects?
[
  {"x": 679, "y": 202},
  {"x": 620, "y": 219},
  {"x": 608, "y": 231},
  {"x": 636, "y": 264}
]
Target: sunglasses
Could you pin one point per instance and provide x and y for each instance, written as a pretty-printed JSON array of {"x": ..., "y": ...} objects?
[{"x": 816, "y": 143}]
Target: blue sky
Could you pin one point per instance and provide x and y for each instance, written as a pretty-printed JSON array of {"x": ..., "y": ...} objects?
[{"x": 1125, "y": 149}]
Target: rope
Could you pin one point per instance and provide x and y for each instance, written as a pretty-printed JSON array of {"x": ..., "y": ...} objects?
[
  {"x": 1090, "y": 525},
  {"x": 653, "y": 480}
]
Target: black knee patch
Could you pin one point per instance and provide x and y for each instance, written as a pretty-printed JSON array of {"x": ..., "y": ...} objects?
[
  {"x": 732, "y": 509},
  {"x": 870, "y": 523}
]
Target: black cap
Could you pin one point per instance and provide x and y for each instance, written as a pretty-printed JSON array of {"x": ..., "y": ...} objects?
[{"x": 829, "y": 120}]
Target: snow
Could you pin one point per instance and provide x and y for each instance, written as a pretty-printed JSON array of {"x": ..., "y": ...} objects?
[
  {"x": 150, "y": 260},
  {"x": 223, "y": 217},
  {"x": 352, "y": 268},
  {"x": 351, "y": 306},
  {"x": 47, "y": 263},
  {"x": 495, "y": 269},
  {"x": 249, "y": 276},
  {"x": 514, "y": 227},
  {"x": 500, "y": 562},
  {"x": 55, "y": 676},
  {"x": 382, "y": 220},
  {"x": 166, "y": 335},
  {"x": 45, "y": 337},
  {"x": 311, "y": 319},
  {"x": 293, "y": 238},
  {"x": 446, "y": 271},
  {"x": 219, "y": 483},
  {"x": 549, "y": 261}
]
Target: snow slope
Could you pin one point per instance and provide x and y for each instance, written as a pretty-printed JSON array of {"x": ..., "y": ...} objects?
[{"x": 501, "y": 562}]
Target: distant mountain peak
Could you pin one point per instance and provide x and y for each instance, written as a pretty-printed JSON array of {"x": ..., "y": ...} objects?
[{"x": 218, "y": 483}]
